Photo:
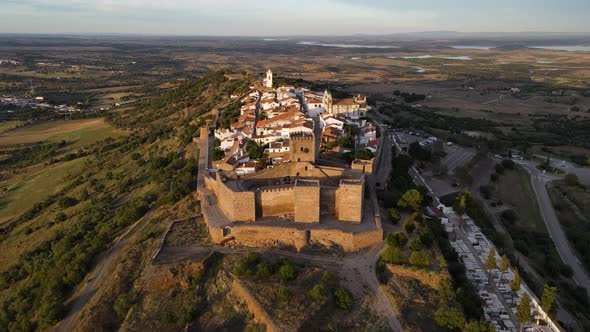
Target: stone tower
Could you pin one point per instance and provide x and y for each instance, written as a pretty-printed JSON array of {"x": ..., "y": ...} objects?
[
  {"x": 328, "y": 101},
  {"x": 268, "y": 80},
  {"x": 302, "y": 147}
]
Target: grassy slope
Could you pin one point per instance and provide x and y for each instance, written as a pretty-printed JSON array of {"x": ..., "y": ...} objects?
[
  {"x": 81, "y": 132},
  {"x": 515, "y": 189},
  {"x": 44, "y": 259}
]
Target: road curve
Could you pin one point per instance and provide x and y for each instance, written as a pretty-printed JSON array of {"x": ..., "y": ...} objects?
[{"x": 549, "y": 216}]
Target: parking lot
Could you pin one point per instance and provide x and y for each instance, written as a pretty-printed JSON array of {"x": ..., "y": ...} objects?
[{"x": 456, "y": 155}]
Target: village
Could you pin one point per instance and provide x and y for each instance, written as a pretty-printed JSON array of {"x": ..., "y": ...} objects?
[{"x": 270, "y": 116}]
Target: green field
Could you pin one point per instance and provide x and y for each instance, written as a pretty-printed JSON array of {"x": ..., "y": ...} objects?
[
  {"x": 515, "y": 190},
  {"x": 24, "y": 191},
  {"x": 78, "y": 132},
  {"x": 8, "y": 125},
  {"x": 19, "y": 192}
]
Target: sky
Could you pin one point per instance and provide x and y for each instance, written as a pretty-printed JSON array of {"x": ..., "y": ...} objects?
[{"x": 291, "y": 17}]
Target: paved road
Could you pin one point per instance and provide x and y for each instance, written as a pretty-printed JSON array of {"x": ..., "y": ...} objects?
[{"x": 564, "y": 248}]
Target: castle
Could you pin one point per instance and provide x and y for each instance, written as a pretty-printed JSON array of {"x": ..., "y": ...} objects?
[
  {"x": 296, "y": 203},
  {"x": 289, "y": 198}
]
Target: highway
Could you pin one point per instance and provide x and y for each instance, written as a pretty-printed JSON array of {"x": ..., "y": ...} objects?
[{"x": 564, "y": 248}]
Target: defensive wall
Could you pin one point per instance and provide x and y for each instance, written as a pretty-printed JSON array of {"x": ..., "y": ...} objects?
[{"x": 312, "y": 195}]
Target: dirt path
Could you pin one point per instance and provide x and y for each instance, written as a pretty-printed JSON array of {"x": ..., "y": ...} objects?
[{"x": 357, "y": 270}]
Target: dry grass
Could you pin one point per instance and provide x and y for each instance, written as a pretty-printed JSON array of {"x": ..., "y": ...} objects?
[{"x": 80, "y": 131}]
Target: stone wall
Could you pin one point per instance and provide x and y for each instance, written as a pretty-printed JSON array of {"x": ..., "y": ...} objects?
[
  {"x": 275, "y": 202},
  {"x": 349, "y": 201},
  {"x": 252, "y": 235},
  {"x": 253, "y": 305},
  {"x": 302, "y": 169},
  {"x": 237, "y": 206},
  {"x": 328, "y": 201},
  {"x": 302, "y": 148},
  {"x": 307, "y": 201}
]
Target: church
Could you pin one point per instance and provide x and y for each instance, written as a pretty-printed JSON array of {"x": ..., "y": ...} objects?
[{"x": 354, "y": 107}]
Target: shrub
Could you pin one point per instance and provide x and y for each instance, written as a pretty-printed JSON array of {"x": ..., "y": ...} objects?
[
  {"x": 263, "y": 270},
  {"x": 287, "y": 271},
  {"x": 394, "y": 215},
  {"x": 61, "y": 217},
  {"x": 393, "y": 255},
  {"x": 409, "y": 226},
  {"x": 426, "y": 236},
  {"x": 122, "y": 305},
  {"x": 327, "y": 277},
  {"x": 416, "y": 245},
  {"x": 318, "y": 293},
  {"x": 450, "y": 318},
  {"x": 65, "y": 202},
  {"x": 283, "y": 294},
  {"x": 398, "y": 239},
  {"x": 343, "y": 298},
  {"x": 419, "y": 258}
]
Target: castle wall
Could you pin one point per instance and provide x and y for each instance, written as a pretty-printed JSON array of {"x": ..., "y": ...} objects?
[
  {"x": 302, "y": 169},
  {"x": 252, "y": 235},
  {"x": 349, "y": 202},
  {"x": 275, "y": 202},
  {"x": 237, "y": 206},
  {"x": 328, "y": 201},
  {"x": 307, "y": 204},
  {"x": 243, "y": 294}
]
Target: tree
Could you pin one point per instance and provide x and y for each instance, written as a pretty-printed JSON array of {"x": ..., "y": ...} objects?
[
  {"x": 318, "y": 293},
  {"x": 460, "y": 205},
  {"x": 571, "y": 179},
  {"x": 479, "y": 326},
  {"x": 445, "y": 290},
  {"x": 411, "y": 199},
  {"x": 419, "y": 258},
  {"x": 515, "y": 282},
  {"x": 409, "y": 226},
  {"x": 548, "y": 298},
  {"x": 393, "y": 255},
  {"x": 523, "y": 310},
  {"x": 504, "y": 265},
  {"x": 491, "y": 261},
  {"x": 343, "y": 298},
  {"x": 394, "y": 215},
  {"x": 450, "y": 318}
]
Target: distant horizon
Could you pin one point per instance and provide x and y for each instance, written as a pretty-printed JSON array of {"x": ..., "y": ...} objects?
[
  {"x": 425, "y": 34},
  {"x": 290, "y": 17}
]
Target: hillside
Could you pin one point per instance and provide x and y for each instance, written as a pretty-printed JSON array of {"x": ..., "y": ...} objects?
[{"x": 140, "y": 173}]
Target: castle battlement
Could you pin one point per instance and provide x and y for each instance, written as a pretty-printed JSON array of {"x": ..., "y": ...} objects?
[{"x": 301, "y": 136}]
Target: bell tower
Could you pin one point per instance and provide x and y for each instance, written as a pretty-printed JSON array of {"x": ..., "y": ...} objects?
[
  {"x": 327, "y": 102},
  {"x": 268, "y": 80}
]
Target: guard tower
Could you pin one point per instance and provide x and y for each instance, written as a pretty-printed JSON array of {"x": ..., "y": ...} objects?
[{"x": 302, "y": 147}]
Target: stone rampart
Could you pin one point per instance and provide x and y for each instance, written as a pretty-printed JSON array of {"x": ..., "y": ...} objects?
[
  {"x": 237, "y": 206},
  {"x": 275, "y": 202},
  {"x": 253, "y": 305}
]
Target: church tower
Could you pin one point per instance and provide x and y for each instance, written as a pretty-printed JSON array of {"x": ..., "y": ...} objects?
[
  {"x": 328, "y": 101},
  {"x": 268, "y": 80}
]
